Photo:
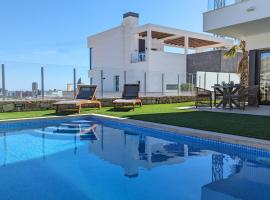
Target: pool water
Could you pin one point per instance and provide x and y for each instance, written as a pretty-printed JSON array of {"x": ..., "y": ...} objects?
[{"x": 90, "y": 158}]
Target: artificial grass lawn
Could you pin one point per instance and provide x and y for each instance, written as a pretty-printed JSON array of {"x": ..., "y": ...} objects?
[{"x": 237, "y": 124}]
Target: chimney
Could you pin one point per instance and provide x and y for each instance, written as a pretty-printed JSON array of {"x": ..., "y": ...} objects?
[{"x": 130, "y": 19}]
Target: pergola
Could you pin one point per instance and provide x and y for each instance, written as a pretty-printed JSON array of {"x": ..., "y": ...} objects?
[{"x": 180, "y": 38}]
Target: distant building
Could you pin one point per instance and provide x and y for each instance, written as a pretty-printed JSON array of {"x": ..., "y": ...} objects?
[
  {"x": 3, "y": 92},
  {"x": 23, "y": 94},
  {"x": 34, "y": 89},
  {"x": 54, "y": 93},
  {"x": 69, "y": 87}
]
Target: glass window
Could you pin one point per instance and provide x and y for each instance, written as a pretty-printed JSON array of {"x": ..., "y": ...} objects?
[{"x": 265, "y": 77}]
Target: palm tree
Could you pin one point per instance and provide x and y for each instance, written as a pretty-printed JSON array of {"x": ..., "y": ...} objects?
[{"x": 243, "y": 65}]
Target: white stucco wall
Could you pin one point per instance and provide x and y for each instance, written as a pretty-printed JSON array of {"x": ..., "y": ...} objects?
[
  {"x": 167, "y": 62},
  {"x": 260, "y": 41},
  {"x": 132, "y": 76},
  {"x": 236, "y": 14},
  {"x": 107, "y": 48},
  {"x": 109, "y": 78},
  {"x": 157, "y": 44},
  {"x": 170, "y": 65}
]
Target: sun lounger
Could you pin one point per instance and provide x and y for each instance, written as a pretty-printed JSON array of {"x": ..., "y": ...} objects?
[
  {"x": 130, "y": 96},
  {"x": 85, "y": 96}
]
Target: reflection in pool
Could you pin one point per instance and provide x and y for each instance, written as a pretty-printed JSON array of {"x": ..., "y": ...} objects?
[{"x": 112, "y": 161}]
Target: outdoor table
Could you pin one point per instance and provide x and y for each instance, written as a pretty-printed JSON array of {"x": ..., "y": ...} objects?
[{"x": 227, "y": 91}]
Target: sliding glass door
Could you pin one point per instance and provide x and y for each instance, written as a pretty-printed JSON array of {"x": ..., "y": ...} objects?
[{"x": 265, "y": 77}]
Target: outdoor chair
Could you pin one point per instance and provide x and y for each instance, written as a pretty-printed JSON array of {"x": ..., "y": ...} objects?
[
  {"x": 253, "y": 95},
  {"x": 130, "y": 96},
  {"x": 202, "y": 95},
  {"x": 85, "y": 96},
  {"x": 239, "y": 98},
  {"x": 218, "y": 94}
]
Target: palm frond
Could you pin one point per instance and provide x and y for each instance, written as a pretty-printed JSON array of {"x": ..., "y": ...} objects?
[
  {"x": 232, "y": 52},
  {"x": 242, "y": 67}
]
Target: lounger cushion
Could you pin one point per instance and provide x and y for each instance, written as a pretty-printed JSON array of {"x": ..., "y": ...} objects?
[
  {"x": 70, "y": 102},
  {"x": 125, "y": 101}
]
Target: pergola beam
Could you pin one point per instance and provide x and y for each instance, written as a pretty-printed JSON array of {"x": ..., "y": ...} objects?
[
  {"x": 156, "y": 34},
  {"x": 192, "y": 42},
  {"x": 176, "y": 37}
]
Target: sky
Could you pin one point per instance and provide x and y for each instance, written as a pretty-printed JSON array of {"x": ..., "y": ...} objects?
[{"x": 43, "y": 32}]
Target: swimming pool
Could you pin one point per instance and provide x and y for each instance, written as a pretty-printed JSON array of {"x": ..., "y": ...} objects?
[{"x": 92, "y": 158}]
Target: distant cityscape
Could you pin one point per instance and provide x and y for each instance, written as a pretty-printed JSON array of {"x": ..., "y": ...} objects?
[{"x": 36, "y": 92}]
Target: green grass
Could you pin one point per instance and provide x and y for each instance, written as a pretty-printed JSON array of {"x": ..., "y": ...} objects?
[
  {"x": 244, "y": 125},
  {"x": 19, "y": 115}
]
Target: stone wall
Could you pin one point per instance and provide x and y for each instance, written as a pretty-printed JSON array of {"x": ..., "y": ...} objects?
[
  {"x": 206, "y": 61},
  {"x": 212, "y": 61},
  {"x": 35, "y": 105},
  {"x": 26, "y": 105}
]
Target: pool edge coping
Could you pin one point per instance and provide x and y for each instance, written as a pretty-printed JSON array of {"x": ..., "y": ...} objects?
[{"x": 222, "y": 137}]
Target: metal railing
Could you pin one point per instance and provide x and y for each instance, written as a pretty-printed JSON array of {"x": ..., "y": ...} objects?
[
  {"x": 31, "y": 81},
  {"x": 208, "y": 79},
  {"x": 217, "y": 4},
  {"x": 138, "y": 57},
  {"x": 156, "y": 83}
]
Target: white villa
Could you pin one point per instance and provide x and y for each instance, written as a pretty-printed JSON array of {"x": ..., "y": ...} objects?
[
  {"x": 153, "y": 55},
  {"x": 247, "y": 20}
]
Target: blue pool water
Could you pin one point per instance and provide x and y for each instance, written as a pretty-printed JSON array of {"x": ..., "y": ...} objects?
[{"x": 89, "y": 158}]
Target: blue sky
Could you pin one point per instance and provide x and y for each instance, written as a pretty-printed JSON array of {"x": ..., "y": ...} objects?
[{"x": 55, "y": 31}]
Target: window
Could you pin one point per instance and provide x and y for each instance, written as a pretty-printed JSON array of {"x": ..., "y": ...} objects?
[{"x": 171, "y": 87}]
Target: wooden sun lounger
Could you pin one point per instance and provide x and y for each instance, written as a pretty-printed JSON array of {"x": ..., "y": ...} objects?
[
  {"x": 84, "y": 96},
  {"x": 130, "y": 96}
]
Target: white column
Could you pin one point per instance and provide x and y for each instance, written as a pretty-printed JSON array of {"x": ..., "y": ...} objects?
[
  {"x": 149, "y": 43},
  {"x": 186, "y": 45}
]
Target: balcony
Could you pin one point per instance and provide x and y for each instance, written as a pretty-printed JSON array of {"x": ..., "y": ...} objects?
[
  {"x": 138, "y": 57},
  {"x": 217, "y": 4},
  {"x": 238, "y": 19}
]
